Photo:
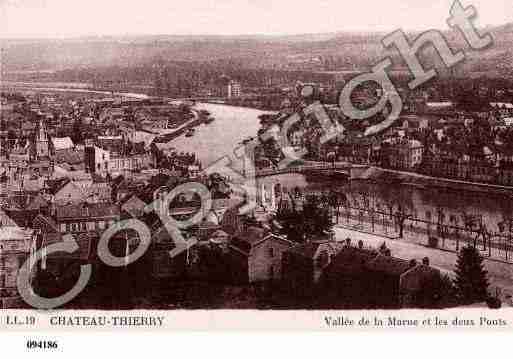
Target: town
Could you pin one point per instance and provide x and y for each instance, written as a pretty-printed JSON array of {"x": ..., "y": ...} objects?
[{"x": 76, "y": 163}]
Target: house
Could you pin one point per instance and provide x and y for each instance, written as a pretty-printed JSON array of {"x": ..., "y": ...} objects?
[
  {"x": 133, "y": 205},
  {"x": 304, "y": 265},
  {"x": 414, "y": 123},
  {"x": 508, "y": 121},
  {"x": 85, "y": 217},
  {"x": 405, "y": 155},
  {"x": 15, "y": 244},
  {"x": 64, "y": 191},
  {"x": 415, "y": 283},
  {"x": 256, "y": 255},
  {"x": 72, "y": 158},
  {"x": 209, "y": 226},
  {"x": 123, "y": 187},
  {"x": 226, "y": 87},
  {"x": 45, "y": 224},
  {"x": 6, "y": 220},
  {"x": 38, "y": 203},
  {"x": 130, "y": 134},
  {"x": 112, "y": 157},
  {"x": 62, "y": 143},
  {"x": 504, "y": 109},
  {"x": 384, "y": 276},
  {"x": 347, "y": 276}
]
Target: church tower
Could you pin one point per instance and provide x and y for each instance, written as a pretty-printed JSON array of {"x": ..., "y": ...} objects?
[{"x": 42, "y": 147}]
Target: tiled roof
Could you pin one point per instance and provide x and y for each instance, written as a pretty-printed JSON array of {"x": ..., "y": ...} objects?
[
  {"x": 37, "y": 203},
  {"x": 69, "y": 156},
  {"x": 352, "y": 256},
  {"x": 14, "y": 233},
  {"x": 87, "y": 210},
  {"x": 45, "y": 224},
  {"x": 308, "y": 250},
  {"x": 249, "y": 239},
  {"x": 55, "y": 186},
  {"x": 62, "y": 143},
  {"x": 389, "y": 265}
]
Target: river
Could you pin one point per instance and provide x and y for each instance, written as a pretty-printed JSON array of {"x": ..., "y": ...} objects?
[
  {"x": 213, "y": 141},
  {"x": 218, "y": 139},
  {"x": 232, "y": 124}
]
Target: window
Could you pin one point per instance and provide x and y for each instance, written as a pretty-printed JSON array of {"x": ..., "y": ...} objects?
[
  {"x": 91, "y": 226},
  {"x": 21, "y": 261},
  {"x": 271, "y": 252},
  {"x": 63, "y": 228},
  {"x": 73, "y": 227}
]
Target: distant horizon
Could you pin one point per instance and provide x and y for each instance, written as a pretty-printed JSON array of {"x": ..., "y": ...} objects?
[
  {"x": 230, "y": 36},
  {"x": 69, "y": 20}
]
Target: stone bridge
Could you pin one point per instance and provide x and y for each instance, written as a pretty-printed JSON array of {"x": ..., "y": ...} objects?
[
  {"x": 268, "y": 188},
  {"x": 341, "y": 168}
]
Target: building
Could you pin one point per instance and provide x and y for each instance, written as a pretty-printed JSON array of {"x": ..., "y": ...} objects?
[
  {"x": 304, "y": 265},
  {"x": 114, "y": 158},
  {"x": 41, "y": 146},
  {"x": 62, "y": 144},
  {"x": 234, "y": 89},
  {"x": 384, "y": 277},
  {"x": 15, "y": 244},
  {"x": 367, "y": 279},
  {"x": 66, "y": 191},
  {"x": 226, "y": 88},
  {"x": 403, "y": 155},
  {"x": 85, "y": 217},
  {"x": 256, "y": 255}
]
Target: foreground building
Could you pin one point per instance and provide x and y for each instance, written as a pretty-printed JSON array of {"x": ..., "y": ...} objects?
[
  {"x": 256, "y": 255},
  {"x": 14, "y": 250}
]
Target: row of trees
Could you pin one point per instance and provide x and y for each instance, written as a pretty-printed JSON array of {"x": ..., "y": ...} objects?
[{"x": 310, "y": 216}]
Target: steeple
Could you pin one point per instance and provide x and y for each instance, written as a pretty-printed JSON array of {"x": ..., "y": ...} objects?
[{"x": 41, "y": 141}]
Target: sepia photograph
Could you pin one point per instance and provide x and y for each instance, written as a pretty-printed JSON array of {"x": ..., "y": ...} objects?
[{"x": 296, "y": 164}]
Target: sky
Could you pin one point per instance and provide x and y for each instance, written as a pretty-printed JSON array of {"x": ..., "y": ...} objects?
[{"x": 73, "y": 18}]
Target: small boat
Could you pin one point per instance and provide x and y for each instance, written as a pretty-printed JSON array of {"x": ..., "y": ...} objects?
[
  {"x": 209, "y": 120},
  {"x": 190, "y": 132}
]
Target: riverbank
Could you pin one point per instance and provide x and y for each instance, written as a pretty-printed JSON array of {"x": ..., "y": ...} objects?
[
  {"x": 72, "y": 88},
  {"x": 378, "y": 174}
]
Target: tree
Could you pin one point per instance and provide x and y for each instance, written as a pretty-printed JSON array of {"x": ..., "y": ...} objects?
[
  {"x": 333, "y": 202},
  {"x": 471, "y": 277},
  {"x": 401, "y": 216},
  {"x": 312, "y": 220}
]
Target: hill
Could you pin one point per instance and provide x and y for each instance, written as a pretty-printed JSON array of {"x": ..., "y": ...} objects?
[{"x": 334, "y": 51}]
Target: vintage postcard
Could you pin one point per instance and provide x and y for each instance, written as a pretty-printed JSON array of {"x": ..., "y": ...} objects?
[{"x": 255, "y": 165}]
